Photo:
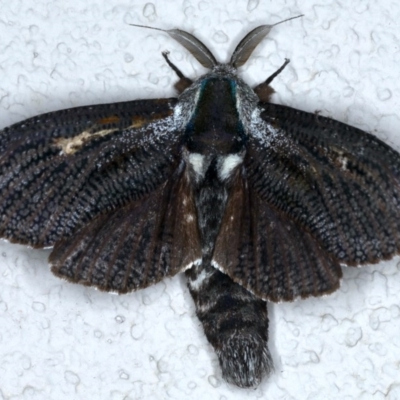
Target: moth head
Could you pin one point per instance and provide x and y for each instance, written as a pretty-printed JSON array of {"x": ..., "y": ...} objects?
[{"x": 204, "y": 56}]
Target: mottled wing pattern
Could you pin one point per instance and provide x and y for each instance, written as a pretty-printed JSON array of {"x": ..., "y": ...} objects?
[
  {"x": 137, "y": 245},
  {"x": 268, "y": 253},
  {"x": 339, "y": 184},
  {"x": 58, "y": 171}
]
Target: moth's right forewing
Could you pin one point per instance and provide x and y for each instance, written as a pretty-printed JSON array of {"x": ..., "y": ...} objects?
[
  {"x": 340, "y": 184},
  {"x": 58, "y": 171}
]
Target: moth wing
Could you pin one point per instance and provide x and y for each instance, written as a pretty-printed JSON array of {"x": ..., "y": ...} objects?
[
  {"x": 134, "y": 246},
  {"x": 268, "y": 253},
  {"x": 339, "y": 184},
  {"x": 60, "y": 170}
]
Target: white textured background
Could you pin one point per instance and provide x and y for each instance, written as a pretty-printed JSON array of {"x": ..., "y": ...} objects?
[{"x": 61, "y": 341}]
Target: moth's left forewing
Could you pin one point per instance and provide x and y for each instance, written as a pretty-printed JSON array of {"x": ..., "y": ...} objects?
[
  {"x": 60, "y": 170},
  {"x": 106, "y": 186}
]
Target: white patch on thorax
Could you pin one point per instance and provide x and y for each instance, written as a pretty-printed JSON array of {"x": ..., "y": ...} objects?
[
  {"x": 196, "y": 160},
  {"x": 228, "y": 164}
]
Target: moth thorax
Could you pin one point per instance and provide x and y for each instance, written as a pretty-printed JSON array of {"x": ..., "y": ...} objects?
[{"x": 215, "y": 126}]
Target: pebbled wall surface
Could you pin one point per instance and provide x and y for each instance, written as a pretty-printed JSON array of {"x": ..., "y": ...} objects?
[{"x": 62, "y": 341}]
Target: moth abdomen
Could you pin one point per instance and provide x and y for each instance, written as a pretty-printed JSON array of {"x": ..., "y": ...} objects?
[{"x": 235, "y": 323}]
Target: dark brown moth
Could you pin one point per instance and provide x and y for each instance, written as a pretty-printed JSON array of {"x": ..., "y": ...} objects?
[{"x": 255, "y": 201}]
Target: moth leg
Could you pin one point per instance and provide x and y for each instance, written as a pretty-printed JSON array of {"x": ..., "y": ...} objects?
[
  {"x": 235, "y": 323},
  {"x": 183, "y": 82},
  {"x": 276, "y": 73},
  {"x": 263, "y": 90}
]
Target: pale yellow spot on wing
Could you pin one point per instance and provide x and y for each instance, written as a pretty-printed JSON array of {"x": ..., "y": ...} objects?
[
  {"x": 73, "y": 144},
  {"x": 138, "y": 122},
  {"x": 109, "y": 120}
]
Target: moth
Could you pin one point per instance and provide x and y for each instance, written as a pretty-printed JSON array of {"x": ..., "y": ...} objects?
[{"x": 254, "y": 201}]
